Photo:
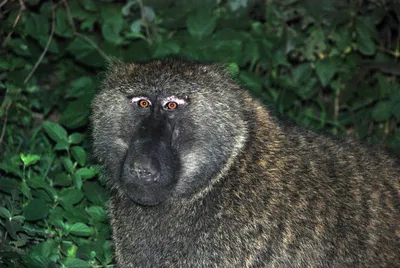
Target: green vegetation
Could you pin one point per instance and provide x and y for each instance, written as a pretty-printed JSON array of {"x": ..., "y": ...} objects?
[{"x": 329, "y": 65}]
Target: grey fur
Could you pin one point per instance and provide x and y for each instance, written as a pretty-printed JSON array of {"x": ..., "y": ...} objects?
[{"x": 251, "y": 191}]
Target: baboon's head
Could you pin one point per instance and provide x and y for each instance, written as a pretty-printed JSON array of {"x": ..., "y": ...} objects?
[{"x": 166, "y": 129}]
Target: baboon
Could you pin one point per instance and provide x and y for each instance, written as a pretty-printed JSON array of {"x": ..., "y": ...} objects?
[{"x": 201, "y": 174}]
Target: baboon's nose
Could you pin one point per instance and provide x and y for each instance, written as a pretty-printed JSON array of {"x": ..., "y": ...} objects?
[{"x": 147, "y": 171}]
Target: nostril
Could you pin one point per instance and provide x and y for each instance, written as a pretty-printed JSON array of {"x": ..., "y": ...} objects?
[{"x": 156, "y": 177}]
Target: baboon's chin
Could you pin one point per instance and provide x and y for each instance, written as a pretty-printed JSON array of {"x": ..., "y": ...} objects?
[{"x": 146, "y": 196}]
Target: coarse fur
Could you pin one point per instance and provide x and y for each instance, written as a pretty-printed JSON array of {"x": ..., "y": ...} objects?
[{"x": 246, "y": 189}]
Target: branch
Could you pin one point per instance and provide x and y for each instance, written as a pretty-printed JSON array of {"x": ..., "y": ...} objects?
[
  {"x": 21, "y": 10},
  {"x": 5, "y": 122},
  {"x": 71, "y": 20},
  {"x": 87, "y": 39},
  {"x": 79, "y": 35},
  {"x": 3, "y": 3},
  {"x": 146, "y": 26},
  {"x": 53, "y": 26}
]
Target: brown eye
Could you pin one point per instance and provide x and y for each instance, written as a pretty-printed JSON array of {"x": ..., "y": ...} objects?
[
  {"x": 144, "y": 103},
  {"x": 172, "y": 105}
]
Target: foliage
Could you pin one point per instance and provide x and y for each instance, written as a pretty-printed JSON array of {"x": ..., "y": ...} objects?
[{"x": 324, "y": 64}]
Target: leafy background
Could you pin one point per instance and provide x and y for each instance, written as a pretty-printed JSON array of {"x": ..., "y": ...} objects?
[{"x": 329, "y": 65}]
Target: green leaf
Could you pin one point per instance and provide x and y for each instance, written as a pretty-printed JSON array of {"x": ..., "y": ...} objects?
[
  {"x": 326, "y": 69},
  {"x": 19, "y": 218},
  {"x": 62, "y": 145},
  {"x": 80, "y": 87},
  {"x": 37, "y": 261},
  {"x": 75, "y": 263},
  {"x": 286, "y": 99},
  {"x": 365, "y": 27},
  {"x": 97, "y": 213},
  {"x": 201, "y": 23},
  {"x": 343, "y": 38},
  {"x": 110, "y": 31},
  {"x": 37, "y": 181},
  {"x": 137, "y": 51},
  {"x": 70, "y": 248},
  {"x": 63, "y": 179},
  {"x": 79, "y": 154},
  {"x": 56, "y": 132},
  {"x": 89, "y": 5},
  {"x": 85, "y": 53},
  {"x": 80, "y": 229},
  {"x": 77, "y": 180},
  {"x": 394, "y": 141},
  {"x": 56, "y": 218},
  {"x": 37, "y": 25},
  {"x": 223, "y": 50},
  {"x": 236, "y": 4},
  {"x": 9, "y": 186},
  {"x": 4, "y": 213},
  {"x": 63, "y": 27},
  {"x": 309, "y": 89},
  {"x": 302, "y": 74},
  {"x": 45, "y": 249},
  {"x": 315, "y": 43},
  {"x": 126, "y": 10},
  {"x": 71, "y": 196},
  {"x": 148, "y": 14},
  {"x": 166, "y": 48},
  {"x": 53, "y": 45},
  {"x": 76, "y": 114},
  {"x": 13, "y": 227},
  {"x": 365, "y": 30},
  {"x": 75, "y": 138},
  {"x": 252, "y": 81},
  {"x": 36, "y": 210},
  {"x": 381, "y": 111},
  {"x": 29, "y": 159},
  {"x": 366, "y": 45},
  {"x": 68, "y": 165},
  {"x": 318, "y": 9},
  {"x": 90, "y": 20},
  {"x": 112, "y": 23},
  {"x": 87, "y": 173},
  {"x": 5, "y": 65},
  {"x": 94, "y": 192},
  {"x": 233, "y": 69},
  {"x": 26, "y": 191},
  {"x": 136, "y": 26},
  {"x": 19, "y": 46},
  {"x": 251, "y": 52}
]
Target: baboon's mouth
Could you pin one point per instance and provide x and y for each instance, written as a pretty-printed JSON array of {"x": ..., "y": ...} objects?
[{"x": 147, "y": 196}]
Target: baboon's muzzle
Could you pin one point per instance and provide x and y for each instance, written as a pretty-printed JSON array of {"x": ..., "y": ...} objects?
[{"x": 150, "y": 167}]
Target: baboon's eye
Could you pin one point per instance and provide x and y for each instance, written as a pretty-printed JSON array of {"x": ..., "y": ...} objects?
[
  {"x": 171, "y": 105},
  {"x": 143, "y": 103}
]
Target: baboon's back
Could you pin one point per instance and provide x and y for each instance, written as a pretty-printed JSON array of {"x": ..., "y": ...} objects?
[{"x": 316, "y": 200}]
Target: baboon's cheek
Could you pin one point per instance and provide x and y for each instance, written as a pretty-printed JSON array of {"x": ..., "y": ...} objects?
[
  {"x": 192, "y": 167},
  {"x": 191, "y": 162}
]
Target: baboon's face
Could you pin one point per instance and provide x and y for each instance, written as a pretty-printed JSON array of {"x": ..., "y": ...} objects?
[
  {"x": 165, "y": 130},
  {"x": 152, "y": 163}
]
